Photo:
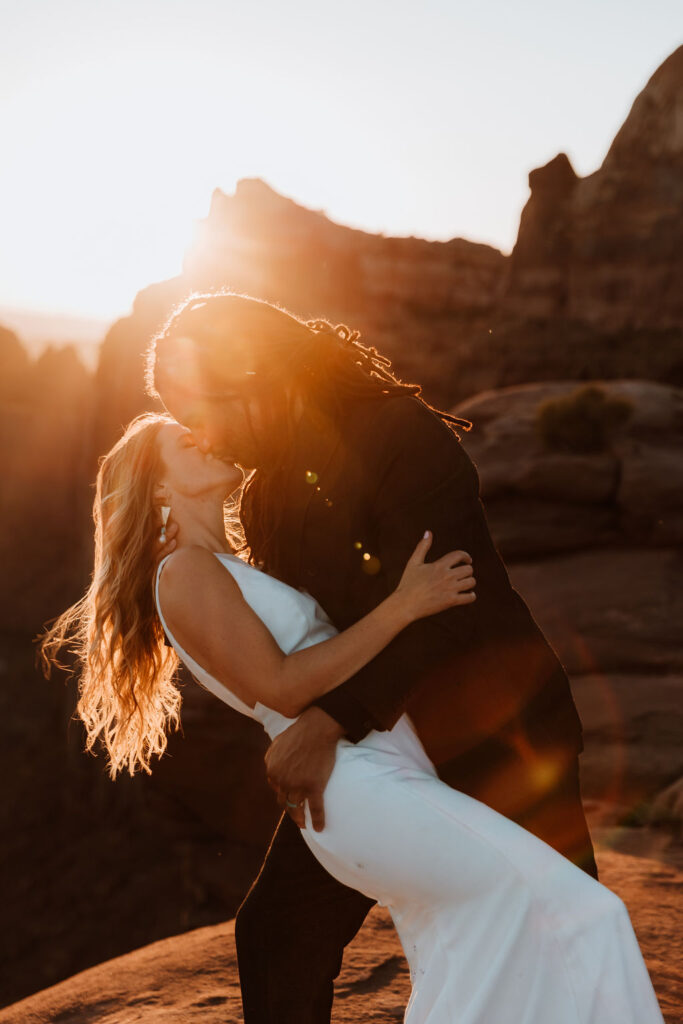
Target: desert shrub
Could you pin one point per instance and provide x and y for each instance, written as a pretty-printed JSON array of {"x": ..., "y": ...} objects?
[{"x": 582, "y": 421}]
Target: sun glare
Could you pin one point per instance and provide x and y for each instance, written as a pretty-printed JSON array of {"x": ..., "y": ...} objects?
[{"x": 121, "y": 121}]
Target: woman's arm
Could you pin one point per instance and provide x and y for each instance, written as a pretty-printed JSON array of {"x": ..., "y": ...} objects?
[{"x": 206, "y": 612}]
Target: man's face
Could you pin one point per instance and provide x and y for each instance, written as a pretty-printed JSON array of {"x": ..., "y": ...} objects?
[
  {"x": 228, "y": 427},
  {"x": 227, "y": 422}
]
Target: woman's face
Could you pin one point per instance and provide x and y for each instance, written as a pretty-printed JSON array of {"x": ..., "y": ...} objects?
[{"x": 191, "y": 472}]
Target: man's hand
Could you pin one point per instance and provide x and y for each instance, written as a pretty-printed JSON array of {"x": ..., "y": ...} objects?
[{"x": 299, "y": 763}]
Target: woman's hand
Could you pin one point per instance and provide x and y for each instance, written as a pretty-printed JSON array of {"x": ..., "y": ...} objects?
[{"x": 427, "y": 588}]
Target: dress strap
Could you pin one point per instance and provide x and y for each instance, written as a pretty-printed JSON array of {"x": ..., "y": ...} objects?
[{"x": 167, "y": 636}]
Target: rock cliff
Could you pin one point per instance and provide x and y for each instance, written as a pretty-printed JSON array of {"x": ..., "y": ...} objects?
[{"x": 607, "y": 249}]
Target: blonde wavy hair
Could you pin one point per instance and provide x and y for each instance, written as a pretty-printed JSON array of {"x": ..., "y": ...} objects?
[{"x": 128, "y": 698}]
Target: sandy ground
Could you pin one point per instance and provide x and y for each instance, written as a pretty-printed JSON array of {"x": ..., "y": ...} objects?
[{"x": 193, "y": 977}]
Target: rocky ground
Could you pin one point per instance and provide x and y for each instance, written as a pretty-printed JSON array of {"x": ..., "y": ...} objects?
[{"x": 193, "y": 977}]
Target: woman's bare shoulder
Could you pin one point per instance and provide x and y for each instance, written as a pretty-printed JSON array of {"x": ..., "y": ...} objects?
[{"x": 190, "y": 571}]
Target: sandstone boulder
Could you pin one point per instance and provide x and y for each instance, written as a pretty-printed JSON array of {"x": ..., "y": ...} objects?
[
  {"x": 540, "y": 501},
  {"x": 632, "y": 734},
  {"x": 609, "y": 610}
]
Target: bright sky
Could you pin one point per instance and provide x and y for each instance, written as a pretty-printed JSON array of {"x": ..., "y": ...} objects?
[{"x": 118, "y": 118}]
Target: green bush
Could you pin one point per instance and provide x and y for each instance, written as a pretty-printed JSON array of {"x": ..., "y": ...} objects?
[{"x": 583, "y": 421}]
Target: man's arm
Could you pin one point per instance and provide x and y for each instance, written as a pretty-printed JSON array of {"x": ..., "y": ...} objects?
[{"x": 427, "y": 482}]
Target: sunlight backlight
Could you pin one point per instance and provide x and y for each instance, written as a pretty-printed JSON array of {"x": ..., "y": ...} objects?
[{"x": 121, "y": 120}]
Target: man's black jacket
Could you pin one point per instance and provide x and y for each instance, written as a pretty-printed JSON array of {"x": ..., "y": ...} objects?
[{"x": 356, "y": 501}]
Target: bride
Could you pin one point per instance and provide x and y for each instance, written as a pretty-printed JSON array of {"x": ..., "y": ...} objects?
[{"x": 497, "y": 927}]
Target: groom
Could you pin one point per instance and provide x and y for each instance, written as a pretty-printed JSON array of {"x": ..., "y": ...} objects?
[{"x": 350, "y": 468}]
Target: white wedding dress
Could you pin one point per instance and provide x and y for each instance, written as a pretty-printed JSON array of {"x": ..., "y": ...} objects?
[{"x": 497, "y": 927}]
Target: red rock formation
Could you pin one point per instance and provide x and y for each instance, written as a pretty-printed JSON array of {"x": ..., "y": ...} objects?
[
  {"x": 592, "y": 541},
  {"x": 589, "y": 291},
  {"x": 607, "y": 249},
  {"x": 265, "y": 244},
  {"x": 540, "y": 501}
]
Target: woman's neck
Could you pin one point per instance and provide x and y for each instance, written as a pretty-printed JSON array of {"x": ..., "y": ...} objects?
[{"x": 200, "y": 525}]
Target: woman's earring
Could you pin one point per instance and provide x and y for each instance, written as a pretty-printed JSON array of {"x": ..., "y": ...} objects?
[{"x": 165, "y": 513}]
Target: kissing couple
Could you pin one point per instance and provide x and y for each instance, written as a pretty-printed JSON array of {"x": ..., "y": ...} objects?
[{"x": 424, "y": 741}]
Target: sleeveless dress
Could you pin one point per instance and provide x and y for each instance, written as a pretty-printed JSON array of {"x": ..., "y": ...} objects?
[{"x": 497, "y": 926}]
